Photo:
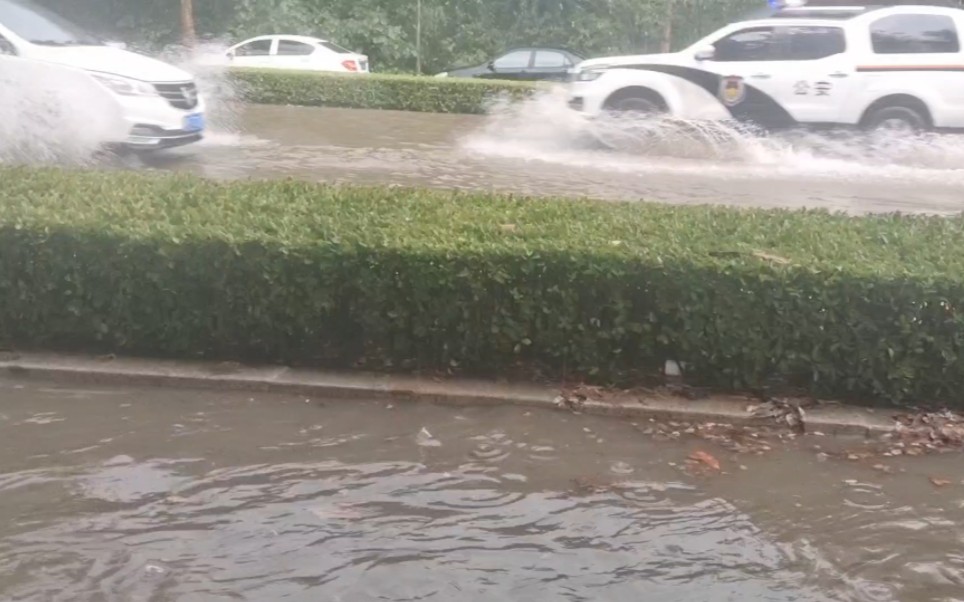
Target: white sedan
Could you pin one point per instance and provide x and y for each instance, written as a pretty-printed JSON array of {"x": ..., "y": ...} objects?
[{"x": 301, "y": 53}]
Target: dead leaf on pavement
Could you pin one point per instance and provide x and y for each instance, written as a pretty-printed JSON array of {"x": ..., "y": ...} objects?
[
  {"x": 705, "y": 458},
  {"x": 940, "y": 482}
]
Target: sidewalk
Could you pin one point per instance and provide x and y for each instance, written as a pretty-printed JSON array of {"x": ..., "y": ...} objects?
[{"x": 70, "y": 369}]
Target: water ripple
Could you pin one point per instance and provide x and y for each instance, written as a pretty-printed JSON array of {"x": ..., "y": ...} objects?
[{"x": 254, "y": 510}]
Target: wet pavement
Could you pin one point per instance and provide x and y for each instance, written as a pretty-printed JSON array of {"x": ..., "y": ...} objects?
[
  {"x": 540, "y": 149},
  {"x": 135, "y": 494}
]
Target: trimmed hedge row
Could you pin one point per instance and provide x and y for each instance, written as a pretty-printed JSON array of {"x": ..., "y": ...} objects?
[
  {"x": 309, "y": 274},
  {"x": 375, "y": 91}
]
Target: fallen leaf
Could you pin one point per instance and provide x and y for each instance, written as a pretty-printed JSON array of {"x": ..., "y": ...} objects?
[
  {"x": 940, "y": 482},
  {"x": 705, "y": 458}
]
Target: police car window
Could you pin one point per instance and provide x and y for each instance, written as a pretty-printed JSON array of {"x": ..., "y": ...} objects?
[
  {"x": 256, "y": 48},
  {"x": 290, "y": 47},
  {"x": 514, "y": 60},
  {"x": 914, "y": 34},
  {"x": 757, "y": 44},
  {"x": 809, "y": 43},
  {"x": 546, "y": 59}
]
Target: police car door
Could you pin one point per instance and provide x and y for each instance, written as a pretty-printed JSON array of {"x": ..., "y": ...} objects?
[
  {"x": 750, "y": 63},
  {"x": 815, "y": 80}
]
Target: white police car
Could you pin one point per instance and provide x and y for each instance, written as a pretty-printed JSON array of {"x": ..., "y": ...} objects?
[{"x": 820, "y": 63}]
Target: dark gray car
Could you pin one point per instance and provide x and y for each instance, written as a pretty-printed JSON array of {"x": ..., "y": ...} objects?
[{"x": 535, "y": 63}]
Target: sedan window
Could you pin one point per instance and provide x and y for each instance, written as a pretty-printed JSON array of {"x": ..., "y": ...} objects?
[
  {"x": 547, "y": 59},
  {"x": 334, "y": 47},
  {"x": 514, "y": 60},
  {"x": 293, "y": 48},
  {"x": 256, "y": 48}
]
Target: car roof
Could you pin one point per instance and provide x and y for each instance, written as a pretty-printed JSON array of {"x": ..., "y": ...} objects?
[
  {"x": 556, "y": 48},
  {"x": 284, "y": 36},
  {"x": 829, "y": 10},
  {"x": 834, "y": 16}
]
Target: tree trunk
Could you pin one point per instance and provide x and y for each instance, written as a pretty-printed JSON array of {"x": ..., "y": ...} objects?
[
  {"x": 418, "y": 37},
  {"x": 666, "y": 43},
  {"x": 188, "y": 30}
]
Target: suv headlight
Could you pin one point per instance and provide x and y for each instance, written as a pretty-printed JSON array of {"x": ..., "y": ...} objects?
[{"x": 124, "y": 85}]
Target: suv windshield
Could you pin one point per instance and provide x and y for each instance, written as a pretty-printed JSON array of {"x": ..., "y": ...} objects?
[{"x": 38, "y": 25}]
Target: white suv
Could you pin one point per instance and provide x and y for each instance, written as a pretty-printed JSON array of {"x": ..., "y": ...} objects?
[
  {"x": 899, "y": 66},
  {"x": 155, "y": 105}
]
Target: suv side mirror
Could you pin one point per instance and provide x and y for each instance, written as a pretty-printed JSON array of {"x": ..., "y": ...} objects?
[
  {"x": 491, "y": 65},
  {"x": 705, "y": 54}
]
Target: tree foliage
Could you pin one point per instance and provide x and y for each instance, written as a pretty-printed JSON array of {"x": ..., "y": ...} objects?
[{"x": 454, "y": 32}]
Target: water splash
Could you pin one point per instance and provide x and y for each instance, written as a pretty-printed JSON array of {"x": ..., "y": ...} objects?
[
  {"x": 50, "y": 114},
  {"x": 209, "y": 66},
  {"x": 545, "y": 129},
  {"x": 53, "y": 114}
]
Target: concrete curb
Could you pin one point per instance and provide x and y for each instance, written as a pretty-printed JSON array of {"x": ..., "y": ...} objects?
[{"x": 71, "y": 369}]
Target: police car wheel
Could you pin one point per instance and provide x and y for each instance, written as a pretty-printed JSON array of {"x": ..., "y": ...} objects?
[
  {"x": 636, "y": 105},
  {"x": 896, "y": 119}
]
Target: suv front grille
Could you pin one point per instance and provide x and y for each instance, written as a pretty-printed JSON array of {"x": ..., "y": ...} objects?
[{"x": 181, "y": 96}]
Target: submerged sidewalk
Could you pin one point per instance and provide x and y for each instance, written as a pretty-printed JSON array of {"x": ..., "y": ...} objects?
[{"x": 829, "y": 419}]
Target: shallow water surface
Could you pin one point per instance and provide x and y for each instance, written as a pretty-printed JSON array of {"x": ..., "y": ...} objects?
[
  {"x": 542, "y": 148},
  {"x": 163, "y": 495}
]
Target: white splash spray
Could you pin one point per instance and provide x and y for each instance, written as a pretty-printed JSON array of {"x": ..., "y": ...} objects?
[{"x": 544, "y": 129}]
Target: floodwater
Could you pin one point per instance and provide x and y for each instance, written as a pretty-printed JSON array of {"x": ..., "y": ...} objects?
[
  {"x": 164, "y": 495},
  {"x": 543, "y": 148}
]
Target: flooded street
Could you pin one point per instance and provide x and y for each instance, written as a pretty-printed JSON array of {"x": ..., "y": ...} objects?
[
  {"x": 167, "y": 495},
  {"x": 540, "y": 150}
]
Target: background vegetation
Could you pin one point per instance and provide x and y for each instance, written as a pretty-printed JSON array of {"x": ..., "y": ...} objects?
[
  {"x": 376, "y": 91},
  {"x": 453, "y": 32}
]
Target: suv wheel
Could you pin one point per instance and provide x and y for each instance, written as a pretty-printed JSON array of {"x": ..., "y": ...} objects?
[{"x": 898, "y": 120}]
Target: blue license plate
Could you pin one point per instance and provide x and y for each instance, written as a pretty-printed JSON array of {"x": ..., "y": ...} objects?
[{"x": 194, "y": 123}]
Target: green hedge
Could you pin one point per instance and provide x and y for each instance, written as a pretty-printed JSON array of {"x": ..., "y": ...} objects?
[
  {"x": 481, "y": 283},
  {"x": 375, "y": 91}
]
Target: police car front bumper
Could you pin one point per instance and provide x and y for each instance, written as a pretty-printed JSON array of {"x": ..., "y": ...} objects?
[{"x": 582, "y": 98}]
